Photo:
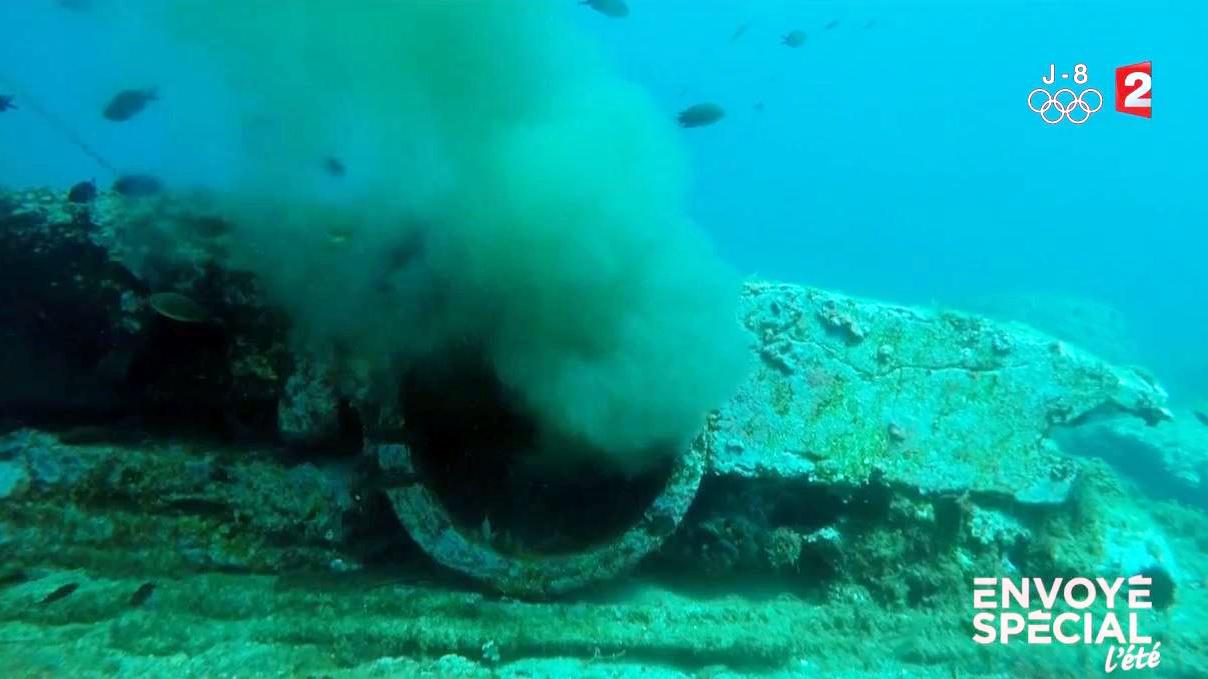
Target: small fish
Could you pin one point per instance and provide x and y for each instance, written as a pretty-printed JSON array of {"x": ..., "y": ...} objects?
[
  {"x": 758, "y": 106},
  {"x": 129, "y": 103},
  {"x": 740, "y": 31},
  {"x": 60, "y": 593},
  {"x": 1201, "y": 416},
  {"x": 870, "y": 23},
  {"x": 617, "y": 9},
  {"x": 832, "y": 24},
  {"x": 177, "y": 307},
  {"x": 75, "y": 5},
  {"x": 84, "y": 192},
  {"x": 895, "y": 432},
  {"x": 339, "y": 235},
  {"x": 407, "y": 251},
  {"x": 333, "y": 166},
  {"x": 793, "y": 39},
  {"x": 13, "y": 577},
  {"x": 399, "y": 257},
  {"x": 137, "y": 185},
  {"x": 6, "y": 103},
  {"x": 701, "y": 115},
  {"x": 141, "y": 594}
]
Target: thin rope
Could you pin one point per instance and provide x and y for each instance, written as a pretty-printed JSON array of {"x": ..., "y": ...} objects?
[{"x": 55, "y": 122}]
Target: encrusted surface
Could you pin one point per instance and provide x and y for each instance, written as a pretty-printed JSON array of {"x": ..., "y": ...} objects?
[
  {"x": 878, "y": 458},
  {"x": 429, "y": 524},
  {"x": 848, "y": 389},
  {"x": 169, "y": 505}
]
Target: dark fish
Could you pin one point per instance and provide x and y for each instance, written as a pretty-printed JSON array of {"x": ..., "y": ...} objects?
[
  {"x": 84, "y": 192},
  {"x": 739, "y": 32},
  {"x": 13, "y": 577},
  {"x": 793, "y": 39},
  {"x": 399, "y": 257},
  {"x": 870, "y": 23},
  {"x": 128, "y": 103},
  {"x": 61, "y": 593},
  {"x": 177, "y": 307},
  {"x": 6, "y": 102},
  {"x": 333, "y": 166},
  {"x": 701, "y": 115},
  {"x": 137, "y": 185},
  {"x": 1201, "y": 416},
  {"x": 406, "y": 252},
  {"x": 833, "y": 24},
  {"x": 141, "y": 594},
  {"x": 340, "y": 235},
  {"x": 758, "y": 106},
  {"x": 616, "y": 9}
]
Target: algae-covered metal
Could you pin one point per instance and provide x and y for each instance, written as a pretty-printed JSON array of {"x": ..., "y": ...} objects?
[
  {"x": 847, "y": 389},
  {"x": 428, "y": 523},
  {"x": 843, "y": 394},
  {"x": 846, "y": 392}
]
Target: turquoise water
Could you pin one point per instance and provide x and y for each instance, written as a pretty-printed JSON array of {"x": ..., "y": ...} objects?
[
  {"x": 898, "y": 161},
  {"x": 464, "y": 247},
  {"x": 893, "y": 160}
]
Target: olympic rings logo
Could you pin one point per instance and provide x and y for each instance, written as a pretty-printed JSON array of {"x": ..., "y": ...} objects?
[{"x": 1065, "y": 109}]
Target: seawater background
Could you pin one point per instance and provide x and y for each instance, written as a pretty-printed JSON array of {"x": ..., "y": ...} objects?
[{"x": 896, "y": 161}]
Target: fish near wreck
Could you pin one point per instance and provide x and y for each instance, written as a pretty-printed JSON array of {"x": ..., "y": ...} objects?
[
  {"x": 617, "y": 9},
  {"x": 793, "y": 39},
  {"x": 177, "y": 307},
  {"x": 60, "y": 593},
  {"x": 334, "y": 166},
  {"x": 142, "y": 594},
  {"x": 701, "y": 115},
  {"x": 83, "y": 192},
  {"x": 128, "y": 103}
]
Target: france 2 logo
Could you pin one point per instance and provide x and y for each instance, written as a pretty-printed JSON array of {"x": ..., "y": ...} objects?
[{"x": 1133, "y": 83}]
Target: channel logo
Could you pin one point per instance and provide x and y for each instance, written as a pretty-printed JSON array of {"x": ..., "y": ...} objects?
[
  {"x": 1074, "y": 101},
  {"x": 1133, "y": 84}
]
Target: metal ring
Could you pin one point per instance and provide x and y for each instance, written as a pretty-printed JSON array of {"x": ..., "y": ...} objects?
[{"x": 428, "y": 522}]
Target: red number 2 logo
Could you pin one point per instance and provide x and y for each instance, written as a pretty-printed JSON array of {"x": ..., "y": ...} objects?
[{"x": 1133, "y": 83}]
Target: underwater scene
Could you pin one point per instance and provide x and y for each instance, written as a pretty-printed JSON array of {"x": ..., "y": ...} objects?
[{"x": 546, "y": 339}]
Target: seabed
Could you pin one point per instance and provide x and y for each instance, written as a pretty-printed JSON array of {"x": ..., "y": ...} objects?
[{"x": 877, "y": 459}]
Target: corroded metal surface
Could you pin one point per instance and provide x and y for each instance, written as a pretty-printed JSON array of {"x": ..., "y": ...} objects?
[
  {"x": 847, "y": 390},
  {"x": 428, "y": 523},
  {"x": 844, "y": 392},
  {"x": 844, "y": 395}
]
